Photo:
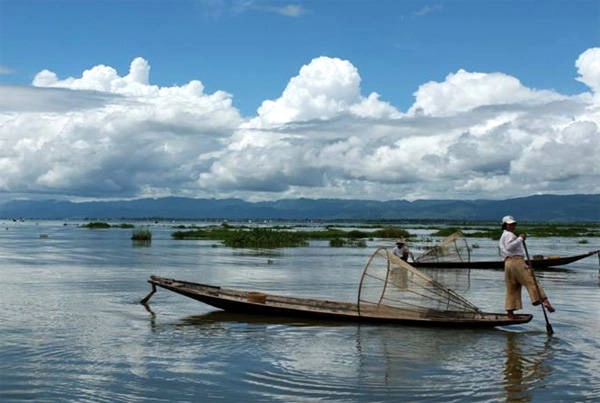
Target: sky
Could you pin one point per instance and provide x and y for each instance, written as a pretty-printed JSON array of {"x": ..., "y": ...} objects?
[{"x": 269, "y": 100}]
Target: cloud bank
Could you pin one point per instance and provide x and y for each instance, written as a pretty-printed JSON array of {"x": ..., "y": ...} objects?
[{"x": 473, "y": 135}]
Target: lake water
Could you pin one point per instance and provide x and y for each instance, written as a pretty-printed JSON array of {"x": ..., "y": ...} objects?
[{"x": 72, "y": 328}]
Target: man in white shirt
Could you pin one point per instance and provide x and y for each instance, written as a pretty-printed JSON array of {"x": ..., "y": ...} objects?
[
  {"x": 402, "y": 251},
  {"x": 516, "y": 271}
]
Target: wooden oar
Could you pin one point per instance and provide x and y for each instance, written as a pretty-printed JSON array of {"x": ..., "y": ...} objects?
[
  {"x": 549, "y": 329},
  {"x": 145, "y": 300}
]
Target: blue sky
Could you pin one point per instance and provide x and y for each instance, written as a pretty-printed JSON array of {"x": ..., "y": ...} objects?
[
  {"x": 427, "y": 65},
  {"x": 252, "y": 48}
]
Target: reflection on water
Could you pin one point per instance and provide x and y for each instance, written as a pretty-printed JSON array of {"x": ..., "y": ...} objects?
[
  {"x": 526, "y": 366},
  {"x": 72, "y": 328}
]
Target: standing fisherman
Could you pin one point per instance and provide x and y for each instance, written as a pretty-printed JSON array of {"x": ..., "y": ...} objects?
[{"x": 516, "y": 272}]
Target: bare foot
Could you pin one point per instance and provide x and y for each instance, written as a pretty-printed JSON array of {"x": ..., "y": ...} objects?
[{"x": 548, "y": 306}]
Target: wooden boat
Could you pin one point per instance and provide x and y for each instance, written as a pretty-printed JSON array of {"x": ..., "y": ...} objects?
[
  {"x": 537, "y": 263},
  {"x": 258, "y": 303}
]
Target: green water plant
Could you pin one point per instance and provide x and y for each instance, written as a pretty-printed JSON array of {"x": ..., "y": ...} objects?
[
  {"x": 391, "y": 232},
  {"x": 141, "y": 234},
  {"x": 263, "y": 238},
  {"x": 96, "y": 225},
  {"x": 247, "y": 237},
  {"x": 123, "y": 226},
  {"x": 348, "y": 242}
]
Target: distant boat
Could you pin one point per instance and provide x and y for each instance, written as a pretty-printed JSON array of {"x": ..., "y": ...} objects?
[
  {"x": 537, "y": 262},
  {"x": 390, "y": 291},
  {"x": 454, "y": 252}
]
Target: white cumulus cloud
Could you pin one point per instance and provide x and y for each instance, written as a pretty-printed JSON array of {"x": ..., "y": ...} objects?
[
  {"x": 588, "y": 67},
  {"x": 472, "y": 135},
  {"x": 463, "y": 91},
  {"x": 324, "y": 89},
  {"x": 106, "y": 135}
]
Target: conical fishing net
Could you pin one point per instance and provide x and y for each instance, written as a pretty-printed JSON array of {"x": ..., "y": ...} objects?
[
  {"x": 453, "y": 248},
  {"x": 388, "y": 281}
]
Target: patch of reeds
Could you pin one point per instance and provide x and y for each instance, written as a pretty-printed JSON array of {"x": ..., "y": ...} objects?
[
  {"x": 123, "y": 226},
  {"x": 215, "y": 233},
  {"x": 105, "y": 225},
  {"x": 96, "y": 225},
  {"x": 391, "y": 232},
  {"x": 263, "y": 238},
  {"x": 245, "y": 237},
  {"x": 348, "y": 242},
  {"x": 141, "y": 235}
]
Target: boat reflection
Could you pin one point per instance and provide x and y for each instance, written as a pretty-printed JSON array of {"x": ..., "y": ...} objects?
[
  {"x": 213, "y": 317},
  {"x": 313, "y": 356}
]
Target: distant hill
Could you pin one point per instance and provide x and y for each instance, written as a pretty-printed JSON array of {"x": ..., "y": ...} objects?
[{"x": 549, "y": 208}]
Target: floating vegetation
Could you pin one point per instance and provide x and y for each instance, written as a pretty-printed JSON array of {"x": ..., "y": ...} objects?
[
  {"x": 202, "y": 233},
  {"x": 391, "y": 232},
  {"x": 263, "y": 238},
  {"x": 336, "y": 242},
  {"x": 141, "y": 234},
  {"x": 246, "y": 238},
  {"x": 124, "y": 226},
  {"x": 333, "y": 233},
  {"x": 276, "y": 237},
  {"x": 105, "y": 225},
  {"x": 345, "y": 242},
  {"x": 279, "y": 236},
  {"x": 96, "y": 225}
]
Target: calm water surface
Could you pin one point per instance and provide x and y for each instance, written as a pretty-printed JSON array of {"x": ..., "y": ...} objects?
[{"x": 72, "y": 328}]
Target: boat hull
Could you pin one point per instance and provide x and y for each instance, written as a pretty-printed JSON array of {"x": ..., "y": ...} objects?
[
  {"x": 252, "y": 303},
  {"x": 543, "y": 263}
]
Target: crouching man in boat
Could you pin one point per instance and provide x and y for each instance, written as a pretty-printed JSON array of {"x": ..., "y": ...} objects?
[
  {"x": 516, "y": 271},
  {"x": 402, "y": 251}
]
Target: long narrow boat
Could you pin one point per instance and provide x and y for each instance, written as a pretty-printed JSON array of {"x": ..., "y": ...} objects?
[
  {"x": 537, "y": 263},
  {"x": 257, "y": 303}
]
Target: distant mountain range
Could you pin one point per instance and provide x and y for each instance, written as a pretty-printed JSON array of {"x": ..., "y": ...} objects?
[{"x": 549, "y": 208}]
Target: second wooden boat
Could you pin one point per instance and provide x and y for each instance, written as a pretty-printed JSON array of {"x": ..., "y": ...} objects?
[
  {"x": 454, "y": 252},
  {"x": 537, "y": 262}
]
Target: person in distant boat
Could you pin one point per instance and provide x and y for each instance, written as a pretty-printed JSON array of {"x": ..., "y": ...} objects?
[
  {"x": 402, "y": 251},
  {"x": 517, "y": 272}
]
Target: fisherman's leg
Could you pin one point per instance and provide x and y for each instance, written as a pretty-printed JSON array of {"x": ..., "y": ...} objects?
[
  {"x": 513, "y": 300},
  {"x": 532, "y": 289}
]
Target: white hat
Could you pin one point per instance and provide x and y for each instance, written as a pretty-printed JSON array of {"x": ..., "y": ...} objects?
[
  {"x": 508, "y": 219},
  {"x": 400, "y": 240}
]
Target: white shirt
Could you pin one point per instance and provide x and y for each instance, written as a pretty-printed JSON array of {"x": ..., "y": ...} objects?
[
  {"x": 401, "y": 251},
  {"x": 511, "y": 245}
]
